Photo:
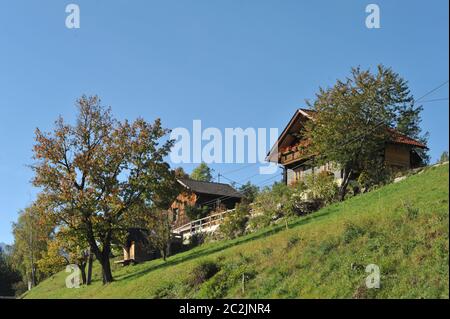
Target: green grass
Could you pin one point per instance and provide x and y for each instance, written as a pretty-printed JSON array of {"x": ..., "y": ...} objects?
[{"x": 403, "y": 228}]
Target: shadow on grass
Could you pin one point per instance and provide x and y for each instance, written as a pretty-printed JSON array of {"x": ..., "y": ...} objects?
[{"x": 239, "y": 241}]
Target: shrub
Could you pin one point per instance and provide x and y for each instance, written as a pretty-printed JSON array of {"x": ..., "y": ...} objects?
[
  {"x": 197, "y": 239},
  {"x": 322, "y": 187},
  {"x": 352, "y": 232},
  {"x": 202, "y": 272},
  {"x": 197, "y": 212},
  {"x": 235, "y": 223},
  {"x": 374, "y": 175},
  {"x": 165, "y": 291},
  {"x": 292, "y": 241},
  {"x": 227, "y": 278},
  {"x": 274, "y": 202}
]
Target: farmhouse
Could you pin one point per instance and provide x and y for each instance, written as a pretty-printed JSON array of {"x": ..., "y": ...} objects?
[
  {"x": 215, "y": 196},
  {"x": 290, "y": 150}
]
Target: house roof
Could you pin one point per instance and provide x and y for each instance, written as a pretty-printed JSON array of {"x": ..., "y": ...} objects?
[
  {"x": 293, "y": 126},
  {"x": 211, "y": 188},
  {"x": 400, "y": 138}
]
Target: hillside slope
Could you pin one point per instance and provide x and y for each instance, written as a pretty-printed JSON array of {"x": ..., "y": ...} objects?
[{"x": 403, "y": 228}]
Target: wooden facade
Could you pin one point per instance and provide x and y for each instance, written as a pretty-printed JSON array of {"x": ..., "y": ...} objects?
[
  {"x": 196, "y": 193},
  {"x": 215, "y": 196}
]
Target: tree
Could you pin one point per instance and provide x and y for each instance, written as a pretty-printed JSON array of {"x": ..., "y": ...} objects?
[
  {"x": 67, "y": 248},
  {"x": 444, "y": 157},
  {"x": 195, "y": 212},
  {"x": 235, "y": 223},
  {"x": 93, "y": 172},
  {"x": 31, "y": 233},
  {"x": 202, "y": 173},
  {"x": 249, "y": 192},
  {"x": 354, "y": 117},
  {"x": 160, "y": 229},
  {"x": 180, "y": 173},
  {"x": 8, "y": 275}
]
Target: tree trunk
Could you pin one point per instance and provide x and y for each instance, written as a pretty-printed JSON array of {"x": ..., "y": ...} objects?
[
  {"x": 345, "y": 180},
  {"x": 164, "y": 254},
  {"x": 106, "y": 269},
  {"x": 102, "y": 256},
  {"x": 89, "y": 272},
  {"x": 82, "y": 267}
]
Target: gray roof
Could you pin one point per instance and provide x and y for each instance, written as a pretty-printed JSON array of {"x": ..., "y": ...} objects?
[{"x": 209, "y": 188}]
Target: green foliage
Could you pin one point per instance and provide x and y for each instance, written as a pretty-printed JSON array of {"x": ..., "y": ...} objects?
[
  {"x": 273, "y": 202},
  {"x": 322, "y": 187},
  {"x": 31, "y": 233},
  {"x": 352, "y": 231},
  {"x": 374, "y": 175},
  {"x": 202, "y": 272},
  {"x": 329, "y": 260},
  {"x": 228, "y": 277},
  {"x": 91, "y": 173},
  {"x": 249, "y": 192},
  {"x": 444, "y": 157},
  {"x": 411, "y": 212},
  {"x": 196, "y": 212},
  {"x": 351, "y": 125},
  {"x": 235, "y": 222},
  {"x": 202, "y": 173},
  {"x": 9, "y": 277},
  {"x": 159, "y": 227},
  {"x": 292, "y": 241}
]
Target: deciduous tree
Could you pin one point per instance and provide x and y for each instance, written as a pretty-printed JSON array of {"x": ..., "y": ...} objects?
[
  {"x": 354, "y": 118},
  {"x": 91, "y": 173}
]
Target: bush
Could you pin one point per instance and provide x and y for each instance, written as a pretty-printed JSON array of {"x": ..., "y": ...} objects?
[
  {"x": 292, "y": 241},
  {"x": 322, "y": 187},
  {"x": 376, "y": 174},
  {"x": 274, "y": 202},
  {"x": 235, "y": 222},
  {"x": 202, "y": 272},
  {"x": 197, "y": 239},
  {"x": 227, "y": 278},
  {"x": 352, "y": 232},
  {"x": 197, "y": 212}
]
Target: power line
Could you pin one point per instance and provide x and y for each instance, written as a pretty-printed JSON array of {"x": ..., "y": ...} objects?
[
  {"x": 362, "y": 135},
  {"x": 435, "y": 100},
  {"x": 432, "y": 91},
  {"x": 239, "y": 169}
]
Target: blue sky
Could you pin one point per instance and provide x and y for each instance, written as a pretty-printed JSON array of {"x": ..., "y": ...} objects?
[{"x": 229, "y": 63}]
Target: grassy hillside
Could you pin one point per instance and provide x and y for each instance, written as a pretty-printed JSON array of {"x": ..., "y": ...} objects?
[{"x": 403, "y": 228}]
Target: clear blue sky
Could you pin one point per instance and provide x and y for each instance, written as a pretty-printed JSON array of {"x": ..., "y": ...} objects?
[{"x": 230, "y": 63}]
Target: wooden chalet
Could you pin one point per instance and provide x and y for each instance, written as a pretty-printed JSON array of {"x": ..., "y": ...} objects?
[
  {"x": 195, "y": 193},
  {"x": 198, "y": 193},
  {"x": 290, "y": 151}
]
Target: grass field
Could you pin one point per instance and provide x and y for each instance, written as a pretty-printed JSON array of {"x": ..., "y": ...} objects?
[{"x": 403, "y": 228}]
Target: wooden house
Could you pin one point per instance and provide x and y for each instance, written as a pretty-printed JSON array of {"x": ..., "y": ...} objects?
[
  {"x": 200, "y": 194},
  {"x": 291, "y": 151},
  {"x": 137, "y": 248}
]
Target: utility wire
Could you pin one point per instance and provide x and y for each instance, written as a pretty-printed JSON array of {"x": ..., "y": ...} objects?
[
  {"x": 362, "y": 135},
  {"x": 432, "y": 91}
]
